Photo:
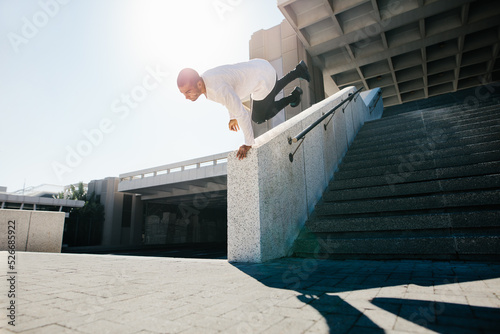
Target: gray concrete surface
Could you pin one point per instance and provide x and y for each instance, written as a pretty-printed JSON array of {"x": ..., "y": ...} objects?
[
  {"x": 80, "y": 293},
  {"x": 33, "y": 231}
]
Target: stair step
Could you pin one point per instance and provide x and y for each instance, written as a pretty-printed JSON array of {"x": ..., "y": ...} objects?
[
  {"x": 401, "y": 168},
  {"x": 433, "y": 116},
  {"x": 430, "y": 221},
  {"x": 401, "y": 124},
  {"x": 419, "y": 134},
  {"x": 394, "y": 127},
  {"x": 449, "y": 247},
  {"x": 442, "y": 108},
  {"x": 439, "y": 112},
  {"x": 384, "y": 158},
  {"x": 404, "y": 175},
  {"x": 436, "y": 142},
  {"x": 421, "y": 187},
  {"x": 422, "y": 184},
  {"x": 426, "y": 129},
  {"x": 426, "y": 202},
  {"x": 449, "y": 100}
]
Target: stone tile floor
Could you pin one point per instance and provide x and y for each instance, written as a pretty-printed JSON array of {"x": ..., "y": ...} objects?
[{"x": 80, "y": 293}]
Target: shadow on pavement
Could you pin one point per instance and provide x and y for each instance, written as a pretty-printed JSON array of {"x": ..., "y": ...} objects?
[
  {"x": 319, "y": 281},
  {"x": 443, "y": 317}
]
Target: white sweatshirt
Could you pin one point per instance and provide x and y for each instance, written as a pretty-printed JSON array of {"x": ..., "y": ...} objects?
[{"x": 229, "y": 85}]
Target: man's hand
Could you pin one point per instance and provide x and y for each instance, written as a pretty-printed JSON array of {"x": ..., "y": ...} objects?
[
  {"x": 233, "y": 125},
  {"x": 242, "y": 152}
]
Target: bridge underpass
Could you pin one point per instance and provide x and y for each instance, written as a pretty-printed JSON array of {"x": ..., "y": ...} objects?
[{"x": 184, "y": 205}]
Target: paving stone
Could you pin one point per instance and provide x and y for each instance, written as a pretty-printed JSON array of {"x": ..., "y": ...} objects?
[
  {"x": 220, "y": 309},
  {"x": 368, "y": 330},
  {"x": 52, "y": 329},
  {"x": 77, "y": 321},
  {"x": 334, "y": 323},
  {"x": 106, "y": 327},
  {"x": 205, "y": 321},
  {"x": 180, "y": 312},
  {"x": 410, "y": 327},
  {"x": 420, "y": 296},
  {"x": 486, "y": 302},
  {"x": 35, "y": 323},
  {"x": 158, "y": 295},
  {"x": 198, "y": 330},
  {"x": 320, "y": 326},
  {"x": 377, "y": 319},
  {"x": 253, "y": 321},
  {"x": 417, "y": 288},
  {"x": 462, "y": 322},
  {"x": 456, "y": 299},
  {"x": 363, "y": 294},
  {"x": 394, "y": 292},
  {"x": 158, "y": 325},
  {"x": 290, "y": 326},
  {"x": 307, "y": 313}
]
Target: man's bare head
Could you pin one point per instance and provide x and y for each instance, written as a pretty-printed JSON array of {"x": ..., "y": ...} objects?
[
  {"x": 190, "y": 84},
  {"x": 187, "y": 76}
]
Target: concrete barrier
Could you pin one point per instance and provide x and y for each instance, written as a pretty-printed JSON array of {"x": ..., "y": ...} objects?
[
  {"x": 35, "y": 231},
  {"x": 269, "y": 197}
]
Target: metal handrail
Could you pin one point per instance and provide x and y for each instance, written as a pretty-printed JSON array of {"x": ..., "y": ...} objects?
[
  {"x": 374, "y": 104},
  {"x": 312, "y": 126}
]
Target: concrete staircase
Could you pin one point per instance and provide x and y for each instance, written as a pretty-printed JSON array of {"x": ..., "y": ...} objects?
[{"x": 421, "y": 184}]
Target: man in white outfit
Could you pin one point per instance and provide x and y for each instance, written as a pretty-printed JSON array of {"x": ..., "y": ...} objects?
[{"x": 229, "y": 85}]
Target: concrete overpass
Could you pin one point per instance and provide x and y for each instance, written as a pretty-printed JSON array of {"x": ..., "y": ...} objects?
[{"x": 191, "y": 182}]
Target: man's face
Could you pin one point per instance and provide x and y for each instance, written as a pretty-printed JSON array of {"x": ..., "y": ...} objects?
[{"x": 191, "y": 92}]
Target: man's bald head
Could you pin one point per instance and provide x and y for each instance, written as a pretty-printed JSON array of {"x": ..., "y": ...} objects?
[
  {"x": 187, "y": 76},
  {"x": 190, "y": 84}
]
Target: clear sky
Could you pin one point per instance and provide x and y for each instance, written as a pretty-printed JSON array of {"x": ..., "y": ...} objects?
[{"x": 87, "y": 87}]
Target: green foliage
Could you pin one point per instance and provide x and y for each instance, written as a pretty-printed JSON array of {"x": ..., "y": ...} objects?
[
  {"x": 74, "y": 193},
  {"x": 78, "y": 193},
  {"x": 86, "y": 223},
  {"x": 92, "y": 210}
]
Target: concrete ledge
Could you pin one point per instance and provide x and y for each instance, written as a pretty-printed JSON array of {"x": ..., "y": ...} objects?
[
  {"x": 269, "y": 197},
  {"x": 371, "y": 99},
  {"x": 35, "y": 231}
]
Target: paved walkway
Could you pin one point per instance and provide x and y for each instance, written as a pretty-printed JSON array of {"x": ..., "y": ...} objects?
[{"x": 79, "y": 293}]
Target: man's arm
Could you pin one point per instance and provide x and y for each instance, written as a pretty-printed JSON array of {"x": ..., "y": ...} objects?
[
  {"x": 238, "y": 112},
  {"x": 243, "y": 150}
]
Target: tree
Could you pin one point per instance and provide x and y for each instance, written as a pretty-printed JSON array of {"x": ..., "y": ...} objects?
[
  {"x": 86, "y": 223},
  {"x": 74, "y": 193}
]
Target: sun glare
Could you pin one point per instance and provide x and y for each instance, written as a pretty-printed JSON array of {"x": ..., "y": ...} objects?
[{"x": 184, "y": 33}]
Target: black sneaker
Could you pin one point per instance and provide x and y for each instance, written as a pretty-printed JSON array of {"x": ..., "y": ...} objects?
[
  {"x": 296, "y": 94},
  {"x": 302, "y": 71}
]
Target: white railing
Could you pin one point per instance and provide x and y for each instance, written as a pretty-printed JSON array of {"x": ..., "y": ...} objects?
[{"x": 197, "y": 163}]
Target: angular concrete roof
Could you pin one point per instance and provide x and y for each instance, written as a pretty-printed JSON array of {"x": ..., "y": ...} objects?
[{"x": 412, "y": 49}]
